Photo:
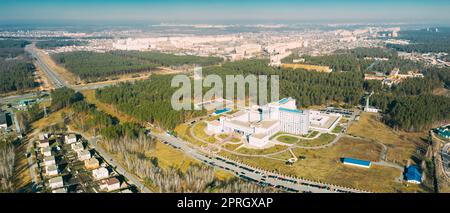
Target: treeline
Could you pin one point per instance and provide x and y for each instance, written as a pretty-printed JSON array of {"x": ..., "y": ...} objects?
[
  {"x": 361, "y": 60},
  {"x": 147, "y": 100},
  {"x": 364, "y": 52},
  {"x": 309, "y": 88},
  {"x": 403, "y": 65},
  {"x": 92, "y": 66},
  {"x": 166, "y": 60},
  {"x": 86, "y": 117},
  {"x": 16, "y": 75},
  {"x": 424, "y": 41},
  {"x": 7, "y": 158},
  {"x": 52, "y": 44},
  {"x": 417, "y": 113},
  {"x": 64, "y": 97},
  {"x": 339, "y": 62},
  {"x": 9, "y": 43},
  {"x": 411, "y": 105},
  {"x": 16, "y": 69}
]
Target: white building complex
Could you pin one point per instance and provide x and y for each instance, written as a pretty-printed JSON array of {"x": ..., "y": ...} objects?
[{"x": 258, "y": 123}]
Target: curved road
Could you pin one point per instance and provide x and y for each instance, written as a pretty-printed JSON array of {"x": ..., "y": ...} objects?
[{"x": 246, "y": 171}]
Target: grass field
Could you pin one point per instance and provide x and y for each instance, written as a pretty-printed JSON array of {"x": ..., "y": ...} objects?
[
  {"x": 270, "y": 150},
  {"x": 325, "y": 165},
  {"x": 169, "y": 157},
  {"x": 288, "y": 139},
  {"x": 323, "y": 139},
  {"x": 402, "y": 146},
  {"x": 337, "y": 129}
]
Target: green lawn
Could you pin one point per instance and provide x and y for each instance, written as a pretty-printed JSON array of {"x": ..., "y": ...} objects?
[
  {"x": 287, "y": 139},
  {"x": 323, "y": 139},
  {"x": 337, "y": 129}
]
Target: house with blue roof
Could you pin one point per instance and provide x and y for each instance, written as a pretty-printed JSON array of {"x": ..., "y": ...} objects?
[
  {"x": 413, "y": 174},
  {"x": 356, "y": 162}
]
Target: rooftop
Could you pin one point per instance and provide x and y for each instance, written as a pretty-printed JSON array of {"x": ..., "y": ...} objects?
[
  {"x": 283, "y": 101},
  {"x": 413, "y": 173},
  {"x": 2, "y": 117},
  {"x": 111, "y": 181},
  {"x": 356, "y": 161},
  {"x": 56, "y": 180},
  {"x": 291, "y": 110}
]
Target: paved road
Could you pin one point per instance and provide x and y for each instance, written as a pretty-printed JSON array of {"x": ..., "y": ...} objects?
[
  {"x": 250, "y": 173},
  {"x": 54, "y": 77},
  {"x": 56, "y": 80}
]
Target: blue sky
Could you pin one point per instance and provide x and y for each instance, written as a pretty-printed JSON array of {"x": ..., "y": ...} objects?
[{"x": 232, "y": 10}]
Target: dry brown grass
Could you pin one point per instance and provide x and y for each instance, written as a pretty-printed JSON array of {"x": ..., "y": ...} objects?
[
  {"x": 325, "y": 165},
  {"x": 402, "y": 146},
  {"x": 107, "y": 108}
]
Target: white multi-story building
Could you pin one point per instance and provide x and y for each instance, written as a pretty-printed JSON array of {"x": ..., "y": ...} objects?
[
  {"x": 258, "y": 123},
  {"x": 294, "y": 121}
]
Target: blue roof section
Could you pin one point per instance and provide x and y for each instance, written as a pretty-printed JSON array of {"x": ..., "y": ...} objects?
[
  {"x": 291, "y": 110},
  {"x": 283, "y": 101},
  {"x": 356, "y": 161},
  {"x": 221, "y": 111},
  {"x": 443, "y": 132},
  {"x": 413, "y": 173}
]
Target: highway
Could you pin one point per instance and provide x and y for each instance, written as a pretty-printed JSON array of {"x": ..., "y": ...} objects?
[
  {"x": 56, "y": 80},
  {"x": 264, "y": 178},
  {"x": 54, "y": 77}
]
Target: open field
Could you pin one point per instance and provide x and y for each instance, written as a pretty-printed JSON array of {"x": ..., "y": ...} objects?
[
  {"x": 169, "y": 157},
  {"x": 323, "y": 139},
  {"x": 337, "y": 129},
  {"x": 308, "y": 67},
  {"x": 288, "y": 139},
  {"x": 199, "y": 131},
  {"x": 402, "y": 146},
  {"x": 325, "y": 165}
]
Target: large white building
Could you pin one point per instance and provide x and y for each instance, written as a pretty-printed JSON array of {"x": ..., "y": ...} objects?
[{"x": 258, "y": 123}]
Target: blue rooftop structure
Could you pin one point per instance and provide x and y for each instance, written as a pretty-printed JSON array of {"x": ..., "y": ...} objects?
[
  {"x": 356, "y": 162},
  {"x": 221, "y": 111},
  {"x": 283, "y": 101},
  {"x": 413, "y": 174},
  {"x": 443, "y": 132},
  {"x": 291, "y": 110}
]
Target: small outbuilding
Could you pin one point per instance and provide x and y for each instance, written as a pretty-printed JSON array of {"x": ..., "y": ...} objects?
[
  {"x": 356, "y": 162},
  {"x": 413, "y": 175}
]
